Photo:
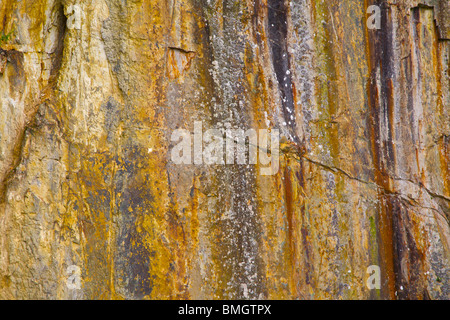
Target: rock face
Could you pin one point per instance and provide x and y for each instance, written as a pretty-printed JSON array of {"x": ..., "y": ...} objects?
[{"x": 93, "y": 207}]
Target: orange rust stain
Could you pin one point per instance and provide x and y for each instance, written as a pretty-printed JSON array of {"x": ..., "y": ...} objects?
[
  {"x": 291, "y": 226},
  {"x": 444, "y": 143},
  {"x": 384, "y": 219}
]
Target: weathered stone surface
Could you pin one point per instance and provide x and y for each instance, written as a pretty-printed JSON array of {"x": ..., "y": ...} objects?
[{"x": 91, "y": 91}]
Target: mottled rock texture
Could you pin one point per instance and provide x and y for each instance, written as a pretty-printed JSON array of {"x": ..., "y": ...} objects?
[{"x": 91, "y": 91}]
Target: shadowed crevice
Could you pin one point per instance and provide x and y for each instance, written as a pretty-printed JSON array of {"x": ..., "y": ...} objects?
[{"x": 278, "y": 32}]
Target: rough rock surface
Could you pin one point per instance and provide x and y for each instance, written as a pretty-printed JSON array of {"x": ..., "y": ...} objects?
[{"x": 91, "y": 91}]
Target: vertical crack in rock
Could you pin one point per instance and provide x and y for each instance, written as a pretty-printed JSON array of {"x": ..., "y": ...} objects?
[
  {"x": 409, "y": 260},
  {"x": 380, "y": 104},
  {"x": 401, "y": 258},
  {"x": 278, "y": 42},
  {"x": 58, "y": 51},
  {"x": 17, "y": 82},
  {"x": 278, "y": 33}
]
